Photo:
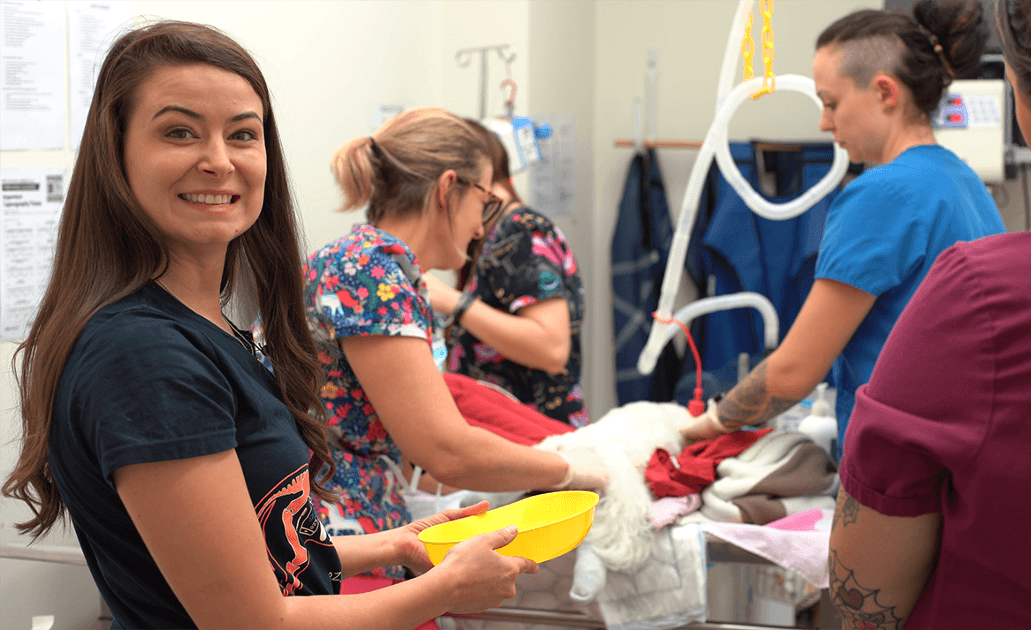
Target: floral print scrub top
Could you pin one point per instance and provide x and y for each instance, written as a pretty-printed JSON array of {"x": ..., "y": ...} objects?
[
  {"x": 366, "y": 283},
  {"x": 524, "y": 260}
]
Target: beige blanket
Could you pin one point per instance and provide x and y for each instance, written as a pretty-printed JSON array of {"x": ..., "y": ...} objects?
[{"x": 783, "y": 473}]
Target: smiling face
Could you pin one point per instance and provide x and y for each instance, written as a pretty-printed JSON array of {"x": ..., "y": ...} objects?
[
  {"x": 195, "y": 155},
  {"x": 851, "y": 114}
]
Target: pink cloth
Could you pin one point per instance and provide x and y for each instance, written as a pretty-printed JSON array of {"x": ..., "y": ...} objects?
[
  {"x": 499, "y": 414},
  {"x": 666, "y": 510},
  {"x": 802, "y": 522},
  {"x": 944, "y": 425},
  {"x": 798, "y": 542}
]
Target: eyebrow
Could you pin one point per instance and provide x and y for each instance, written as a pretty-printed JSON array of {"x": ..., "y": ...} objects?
[{"x": 196, "y": 116}]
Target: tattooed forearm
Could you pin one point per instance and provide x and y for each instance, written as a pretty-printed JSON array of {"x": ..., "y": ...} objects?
[
  {"x": 845, "y": 511},
  {"x": 749, "y": 403},
  {"x": 857, "y": 604}
]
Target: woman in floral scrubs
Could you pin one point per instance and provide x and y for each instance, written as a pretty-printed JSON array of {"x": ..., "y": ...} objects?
[
  {"x": 523, "y": 332},
  {"x": 424, "y": 179}
]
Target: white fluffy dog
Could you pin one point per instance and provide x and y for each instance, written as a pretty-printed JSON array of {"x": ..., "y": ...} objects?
[{"x": 625, "y": 439}]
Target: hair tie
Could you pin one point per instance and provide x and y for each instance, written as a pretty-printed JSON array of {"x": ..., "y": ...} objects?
[
  {"x": 377, "y": 151},
  {"x": 938, "y": 50},
  {"x": 387, "y": 162}
]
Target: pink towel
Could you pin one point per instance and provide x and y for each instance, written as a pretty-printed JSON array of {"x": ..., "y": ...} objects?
[
  {"x": 798, "y": 542},
  {"x": 808, "y": 521},
  {"x": 668, "y": 509}
]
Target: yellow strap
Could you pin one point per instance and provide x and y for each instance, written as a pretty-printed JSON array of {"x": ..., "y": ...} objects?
[
  {"x": 769, "y": 81},
  {"x": 748, "y": 48}
]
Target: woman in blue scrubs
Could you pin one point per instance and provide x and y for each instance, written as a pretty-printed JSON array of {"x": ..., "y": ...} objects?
[{"x": 881, "y": 76}]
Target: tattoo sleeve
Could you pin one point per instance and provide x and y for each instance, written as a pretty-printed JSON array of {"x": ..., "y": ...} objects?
[
  {"x": 749, "y": 403},
  {"x": 845, "y": 511},
  {"x": 856, "y": 603}
]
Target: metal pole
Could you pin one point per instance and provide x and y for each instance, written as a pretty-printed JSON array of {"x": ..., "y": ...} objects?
[
  {"x": 483, "y": 84},
  {"x": 463, "y": 58}
]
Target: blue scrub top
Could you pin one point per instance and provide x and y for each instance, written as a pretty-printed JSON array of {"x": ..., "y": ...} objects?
[{"x": 884, "y": 232}]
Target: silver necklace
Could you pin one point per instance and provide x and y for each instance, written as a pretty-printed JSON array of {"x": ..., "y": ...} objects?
[{"x": 236, "y": 334}]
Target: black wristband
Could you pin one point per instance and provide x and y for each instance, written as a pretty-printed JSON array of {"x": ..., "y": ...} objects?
[{"x": 461, "y": 307}]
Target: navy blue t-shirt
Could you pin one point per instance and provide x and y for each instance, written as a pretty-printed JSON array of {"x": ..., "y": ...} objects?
[{"x": 149, "y": 380}]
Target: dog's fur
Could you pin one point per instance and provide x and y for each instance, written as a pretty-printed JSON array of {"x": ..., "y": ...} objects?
[{"x": 625, "y": 439}]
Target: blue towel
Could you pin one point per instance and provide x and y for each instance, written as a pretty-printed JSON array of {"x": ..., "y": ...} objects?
[{"x": 640, "y": 249}]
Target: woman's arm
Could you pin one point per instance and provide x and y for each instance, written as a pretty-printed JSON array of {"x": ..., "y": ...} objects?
[
  {"x": 396, "y": 546},
  {"x": 879, "y": 564},
  {"x": 537, "y": 336},
  {"x": 829, "y": 317},
  {"x": 404, "y": 386},
  {"x": 199, "y": 525}
]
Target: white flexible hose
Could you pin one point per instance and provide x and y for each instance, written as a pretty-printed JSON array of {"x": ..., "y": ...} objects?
[
  {"x": 732, "y": 52},
  {"x": 704, "y": 306},
  {"x": 755, "y": 201},
  {"x": 716, "y": 144}
]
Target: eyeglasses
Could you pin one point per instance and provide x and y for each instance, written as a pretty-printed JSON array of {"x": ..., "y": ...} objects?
[{"x": 493, "y": 203}]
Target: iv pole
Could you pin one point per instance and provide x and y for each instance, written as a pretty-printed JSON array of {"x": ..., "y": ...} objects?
[{"x": 463, "y": 58}]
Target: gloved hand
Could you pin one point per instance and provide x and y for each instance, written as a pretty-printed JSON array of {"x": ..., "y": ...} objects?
[
  {"x": 705, "y": 426},
  {"x": 586, "y": 470}
]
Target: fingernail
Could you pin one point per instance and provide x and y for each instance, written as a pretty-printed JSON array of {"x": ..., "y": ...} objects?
[{"x": 512, "y": 529}]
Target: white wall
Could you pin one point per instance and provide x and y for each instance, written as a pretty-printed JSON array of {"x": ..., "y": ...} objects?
[
  {"x": 329, "y": 62},
  {"x": 563, "y": 74}
]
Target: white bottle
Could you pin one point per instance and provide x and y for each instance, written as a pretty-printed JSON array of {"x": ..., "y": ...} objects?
[{"x": 821, "y": 425}]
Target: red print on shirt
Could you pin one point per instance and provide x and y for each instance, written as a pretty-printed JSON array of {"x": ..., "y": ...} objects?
[{"x": 288, "y": 518}]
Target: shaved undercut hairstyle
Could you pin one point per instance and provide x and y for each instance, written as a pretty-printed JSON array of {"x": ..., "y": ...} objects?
[{"x": 939, "y": 42}]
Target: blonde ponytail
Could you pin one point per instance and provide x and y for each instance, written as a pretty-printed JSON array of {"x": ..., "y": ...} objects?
[{"x": 395, "y": 171}]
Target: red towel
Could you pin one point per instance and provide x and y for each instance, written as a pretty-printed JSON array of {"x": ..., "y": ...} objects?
[
  {"x": 490, "y": 409},
  {"x": 695, "y": 467}
]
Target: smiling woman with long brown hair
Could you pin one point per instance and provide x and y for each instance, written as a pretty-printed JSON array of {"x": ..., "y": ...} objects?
[{"x": 185, "y": 464}]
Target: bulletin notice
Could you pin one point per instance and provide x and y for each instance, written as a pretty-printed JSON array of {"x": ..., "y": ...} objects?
[{"x": 30, "y": 206}]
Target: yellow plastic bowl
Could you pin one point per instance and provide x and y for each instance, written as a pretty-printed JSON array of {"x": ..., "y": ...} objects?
[{"x": 549, "y": 525}]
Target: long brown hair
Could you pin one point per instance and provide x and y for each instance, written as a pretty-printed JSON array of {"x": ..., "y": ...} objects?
[
  {"x": 107, "y": 248},
  {"x": 941, "y": 41}
]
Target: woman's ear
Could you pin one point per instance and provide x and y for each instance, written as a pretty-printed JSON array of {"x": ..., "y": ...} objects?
[
  {"x": 887, "y": 90},
  {"x": 445, "y": 184}
]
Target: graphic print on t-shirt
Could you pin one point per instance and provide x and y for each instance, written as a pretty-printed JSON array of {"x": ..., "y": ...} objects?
[{"x": 286, "y": 514}]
